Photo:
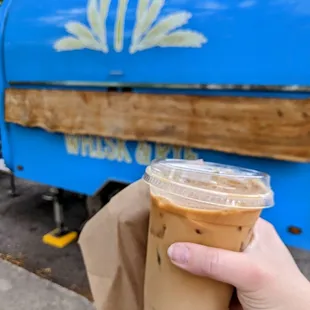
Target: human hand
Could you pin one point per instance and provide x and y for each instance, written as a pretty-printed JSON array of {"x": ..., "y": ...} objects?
[{"x": 265, "y": 274}]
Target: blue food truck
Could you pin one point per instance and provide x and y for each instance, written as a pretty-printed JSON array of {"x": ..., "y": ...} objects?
[{"x": 92, "y": 90}]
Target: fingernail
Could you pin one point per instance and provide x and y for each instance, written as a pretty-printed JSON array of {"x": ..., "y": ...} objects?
[{"x": 179, "y": 253}]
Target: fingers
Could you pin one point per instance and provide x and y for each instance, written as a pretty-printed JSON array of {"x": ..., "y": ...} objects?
[
  {"x": 264, "y": 234},
  {"x": 225, "y": 266},
  {"x": 241, "y": 270}
]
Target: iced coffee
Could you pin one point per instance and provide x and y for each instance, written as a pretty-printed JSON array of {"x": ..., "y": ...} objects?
[{"x": 204, "y": 203}]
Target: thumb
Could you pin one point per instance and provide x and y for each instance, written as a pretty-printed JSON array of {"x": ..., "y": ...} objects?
[{"x": 225, "y": 266}]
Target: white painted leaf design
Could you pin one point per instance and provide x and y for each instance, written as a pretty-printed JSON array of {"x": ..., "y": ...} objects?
[
  {"x": 148, "y": 19},
  {"x": 96, "y": 46},
  {"x": 93, "y": 18},
  {"x": 81, "y": 32},
  {"x": 119, "y": 25},
  {"x": 104, "y": 10},
  {"x": 145, "y": 34},
  {"x": 165, "y": 26},
  {"x": 143, "y": 46},
  {"x": 142, "y": 9},
  {"x": 183, "y": 38},
  {"x": 68, "y": 44}
]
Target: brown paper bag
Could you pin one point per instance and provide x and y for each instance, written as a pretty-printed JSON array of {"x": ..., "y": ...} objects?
[{"x": 113, "y": 245}]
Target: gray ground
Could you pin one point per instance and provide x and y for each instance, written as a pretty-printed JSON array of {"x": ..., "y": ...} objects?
[
  {"x": 303, "y": 260},
  {"x": 25, "y": 219},
  {"x": 40, "y": 294},
  {"x": 23, "y": 222}
]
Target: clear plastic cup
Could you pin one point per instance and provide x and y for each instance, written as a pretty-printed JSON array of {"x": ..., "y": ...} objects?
[{"x": 205, "y": 203}]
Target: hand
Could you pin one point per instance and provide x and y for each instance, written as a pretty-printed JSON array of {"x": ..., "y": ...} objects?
[{"x": 265, "y": 274}]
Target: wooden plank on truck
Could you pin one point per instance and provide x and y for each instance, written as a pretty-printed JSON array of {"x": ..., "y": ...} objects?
[{"x": 264, "y": 127}]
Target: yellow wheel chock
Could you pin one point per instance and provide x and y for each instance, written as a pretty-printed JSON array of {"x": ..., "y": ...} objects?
[{"x": 61, "y": 236}]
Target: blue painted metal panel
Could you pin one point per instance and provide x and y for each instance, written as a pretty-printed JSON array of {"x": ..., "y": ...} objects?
[
  {"x": 5, "y": 149},
  {"x": 83, "y": 164},
  {"x": 248, "y": 42}
]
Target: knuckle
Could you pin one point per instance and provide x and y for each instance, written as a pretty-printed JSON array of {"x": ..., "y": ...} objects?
[
  {"x": 210, "y": 264},
  {"x": 269, "y": 227},
  {"x": 267, "y": 230},
  {"x": 259, "y": 276}
]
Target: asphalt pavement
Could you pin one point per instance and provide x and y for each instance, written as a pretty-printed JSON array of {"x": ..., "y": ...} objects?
[{"x": 24, "y": 220}]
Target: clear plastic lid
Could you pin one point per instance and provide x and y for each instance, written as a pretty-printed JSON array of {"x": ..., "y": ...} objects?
[{"x": 210, "y": 183}]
